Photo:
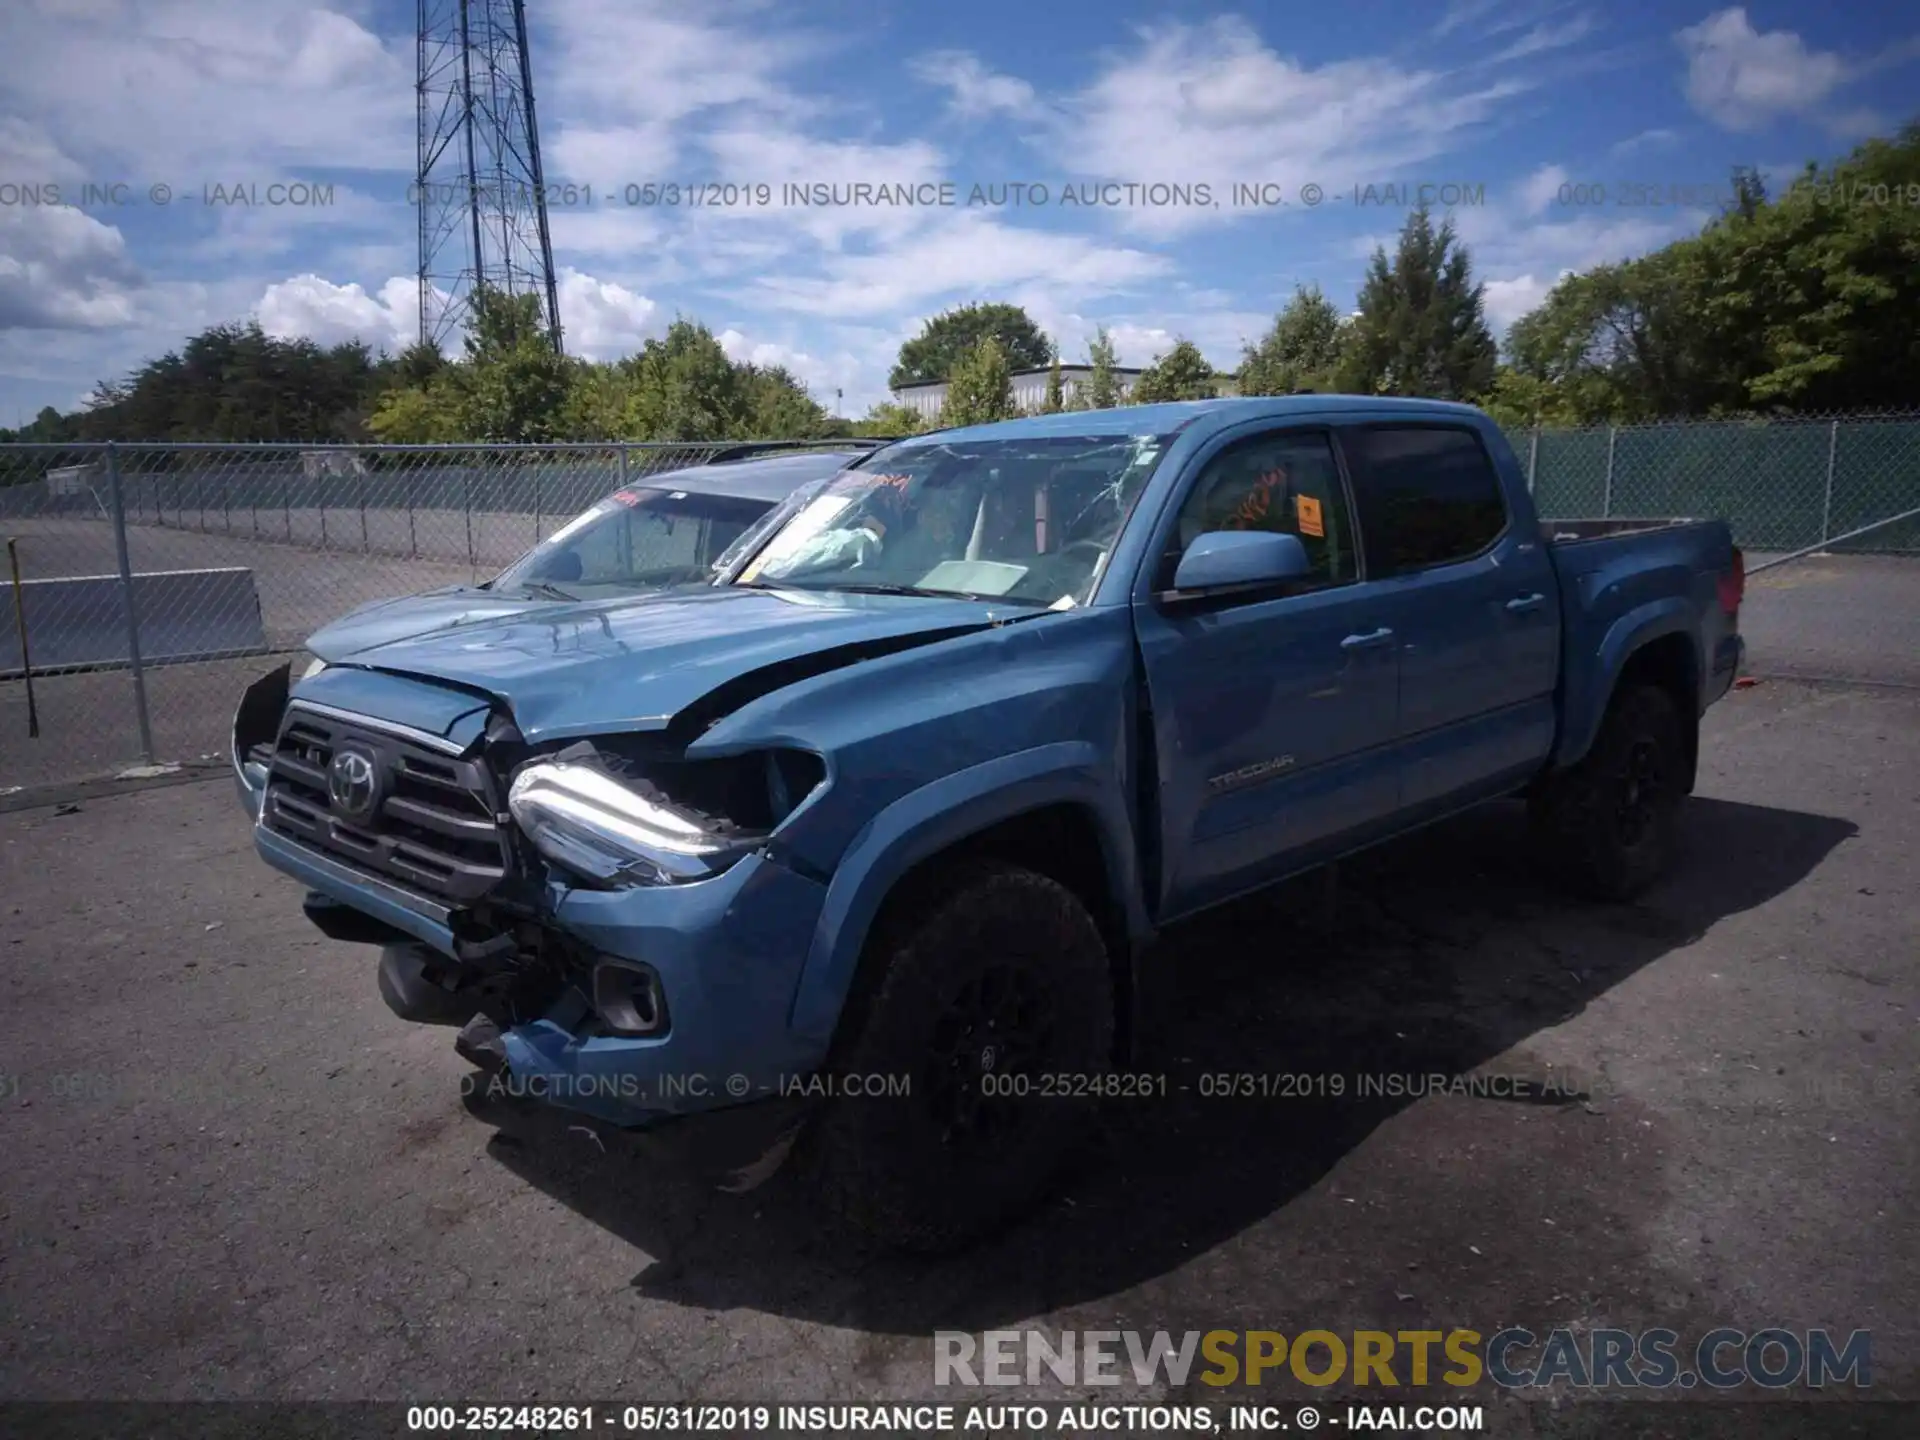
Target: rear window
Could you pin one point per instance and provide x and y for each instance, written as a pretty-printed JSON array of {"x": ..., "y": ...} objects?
[{"x": 1427, "y": 495}]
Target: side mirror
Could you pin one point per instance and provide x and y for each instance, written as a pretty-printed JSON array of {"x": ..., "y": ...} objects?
[{"x": 1223, "y": 558}]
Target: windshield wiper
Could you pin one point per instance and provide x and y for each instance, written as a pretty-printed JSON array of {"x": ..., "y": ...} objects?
[
  {"x": 546, "y": 589},
  {"x": 876, "y": 587}
]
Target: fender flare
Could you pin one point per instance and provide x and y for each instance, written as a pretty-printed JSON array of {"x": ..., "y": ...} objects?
[
  {"x": 934, "y": 818},
  {"x": 1631, "y": 633}
]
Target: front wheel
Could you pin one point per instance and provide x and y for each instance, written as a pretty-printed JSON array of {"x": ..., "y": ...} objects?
[
  {"x": 1609, "y": 823},
  {"x": 990, "y": 1000}
]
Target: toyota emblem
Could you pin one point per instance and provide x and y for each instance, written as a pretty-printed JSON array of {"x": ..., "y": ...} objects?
[{"x": 353, "y": 784}]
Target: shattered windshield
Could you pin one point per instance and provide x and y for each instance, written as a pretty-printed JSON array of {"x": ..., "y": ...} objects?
[
  {"x": 1030, "y": 520},
  {"x": 639, "y": 538}
]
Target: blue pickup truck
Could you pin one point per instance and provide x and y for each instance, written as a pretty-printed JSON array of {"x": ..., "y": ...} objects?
[{"x": 885, "y": 821}]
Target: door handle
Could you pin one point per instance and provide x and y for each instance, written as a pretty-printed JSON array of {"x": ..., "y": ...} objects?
[
  {"x": 1367, "y": 641},
  {"x": 1524, "y": 603}
]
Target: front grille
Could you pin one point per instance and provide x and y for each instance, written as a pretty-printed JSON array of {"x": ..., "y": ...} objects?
[{"x": 435, "y": 829}]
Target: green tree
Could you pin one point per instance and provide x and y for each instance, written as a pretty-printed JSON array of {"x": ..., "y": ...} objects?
[
  {"x": 1627, "y": 342},
  {"x": 1055, "y": 400},
  {"x": 419, "y": 363},
  {"x": 1181, "y": 374},
  {"x": 1301, "y": 351},
  {"x": 980, "y": 389},
  {"x": 1103, "y": 386},
  {"x": 944, "y": 340},
  {"x": 1520, "y": 402},
  {"x": 778, "y": 406},
  {"x": 682, "y": 386},
  {"x": 888, "y": 418},
  {"x": 513, "y": 385},
  {"x": 418, "y": 415},
  {"x": 1422, "y": 327}
]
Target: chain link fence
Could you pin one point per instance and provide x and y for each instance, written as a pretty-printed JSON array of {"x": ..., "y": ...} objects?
[
  {"x": 153, "y": 579},
  {"x": 156, "y": 581},
  {"x": 1784, "y": 485}
]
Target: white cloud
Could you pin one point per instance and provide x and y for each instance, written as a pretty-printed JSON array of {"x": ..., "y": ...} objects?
[
  {"x": 1542, "y": 188},
  {"x": 1645, "y": 140},
  {"x": 1460, "y": 14},
  {"x": 973, "y": 90},
  {"x": 62, "y": 269},
  {"x": 761, "y": 155},
  {"x": 309, "y": 307},
  {"x": 601, "y": 320},
  {"x": 970, "y": 256},
  {"x": 1740, "y": 78},
  {"x": 633, "y": 70},
  {"x": 1520, "y": 257},
  {"x": 29, "y": 156},
  {"x": 1545, "y": 36},
  {"x": 1213, "y": 102},
  {"x": 193, "y": 91},
  {"x": 1508, "y": 300}
]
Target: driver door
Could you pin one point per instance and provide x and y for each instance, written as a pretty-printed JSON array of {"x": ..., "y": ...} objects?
[{"x": 1274, "y": 711}]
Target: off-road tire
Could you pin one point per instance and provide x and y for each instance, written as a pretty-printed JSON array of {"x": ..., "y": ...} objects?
[
  {"x": 1608, "y": 825},
  {"x": 990, "y": 952}
]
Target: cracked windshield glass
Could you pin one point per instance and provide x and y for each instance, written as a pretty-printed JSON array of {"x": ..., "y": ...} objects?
[{"x": 1030, "y": 521}]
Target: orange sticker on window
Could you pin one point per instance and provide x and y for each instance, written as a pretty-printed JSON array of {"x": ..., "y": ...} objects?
[{"x": 1306, "y": 510}]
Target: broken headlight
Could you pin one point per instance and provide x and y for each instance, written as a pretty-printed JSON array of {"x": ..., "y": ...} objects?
[{"x": 587, "y": 812}]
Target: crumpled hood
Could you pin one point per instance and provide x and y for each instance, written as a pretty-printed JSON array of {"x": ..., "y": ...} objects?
[
  {"x": 634, "y": 663},
  {"x": 387, "y": 620}
]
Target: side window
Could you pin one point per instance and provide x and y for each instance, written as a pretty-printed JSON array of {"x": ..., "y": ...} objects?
[
  {"x": 1285, "y": 482},
  {"x": 1427, "y": 495}
]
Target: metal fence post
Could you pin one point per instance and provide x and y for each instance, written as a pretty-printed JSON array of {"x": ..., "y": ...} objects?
[
  {"x": 128, "y": 604},
  {"x": 1826, "y": 505},
  {"x": 467, "y": 488},
  {"x": 364, "y": 547},
  {"x": 536, "y": 507},
  {"x": 1533, "y": 457},
  {"x": 413, "y": 542},
  {"x": 286, "y": 505},
  {"x": 1606, "y": 498},
  {"x": 321, "y": 481}
]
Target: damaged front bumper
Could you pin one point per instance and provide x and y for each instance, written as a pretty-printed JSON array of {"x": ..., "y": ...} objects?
[{"x": 712, "y": 965}]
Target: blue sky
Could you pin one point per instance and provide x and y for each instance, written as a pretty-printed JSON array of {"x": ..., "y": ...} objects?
[{"x": 1643, "y": 107}]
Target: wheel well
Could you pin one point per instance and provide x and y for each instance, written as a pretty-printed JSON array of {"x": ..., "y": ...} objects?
[
  {"x": 1668, "y": 663},
  {"x": 1059, "y": 841}
]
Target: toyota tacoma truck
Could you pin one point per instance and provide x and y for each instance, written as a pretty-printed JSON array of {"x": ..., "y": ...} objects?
[{"x": 887, "y": 818}]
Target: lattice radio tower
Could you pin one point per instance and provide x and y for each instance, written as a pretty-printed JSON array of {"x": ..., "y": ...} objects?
[{"x": 482, "y": 203}]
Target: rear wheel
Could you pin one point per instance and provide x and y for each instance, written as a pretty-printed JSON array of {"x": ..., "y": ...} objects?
[
  {"x": 989, "y": 996},
  {"x": 1609, "y": 823}
]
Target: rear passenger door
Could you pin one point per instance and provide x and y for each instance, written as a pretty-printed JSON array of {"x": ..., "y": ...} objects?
[{"x": 1472, "y": 605}]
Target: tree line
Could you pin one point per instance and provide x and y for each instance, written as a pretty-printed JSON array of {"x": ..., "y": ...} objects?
[
  {"x": 1793, "y": 303},
  {"x": 1805, "y": 302}
]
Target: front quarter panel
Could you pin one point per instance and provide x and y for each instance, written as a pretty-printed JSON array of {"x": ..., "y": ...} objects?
[{"x": 928, "y": 747}]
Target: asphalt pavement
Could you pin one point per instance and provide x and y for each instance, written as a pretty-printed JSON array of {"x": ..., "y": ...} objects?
[{"x": 232, "y": 1173}]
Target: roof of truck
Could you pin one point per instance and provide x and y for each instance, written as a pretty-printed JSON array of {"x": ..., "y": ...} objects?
[{"x": 1165, "y": 419}]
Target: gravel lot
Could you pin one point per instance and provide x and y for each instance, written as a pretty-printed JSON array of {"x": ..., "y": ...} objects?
[{"x": 232, "y": 1174}]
